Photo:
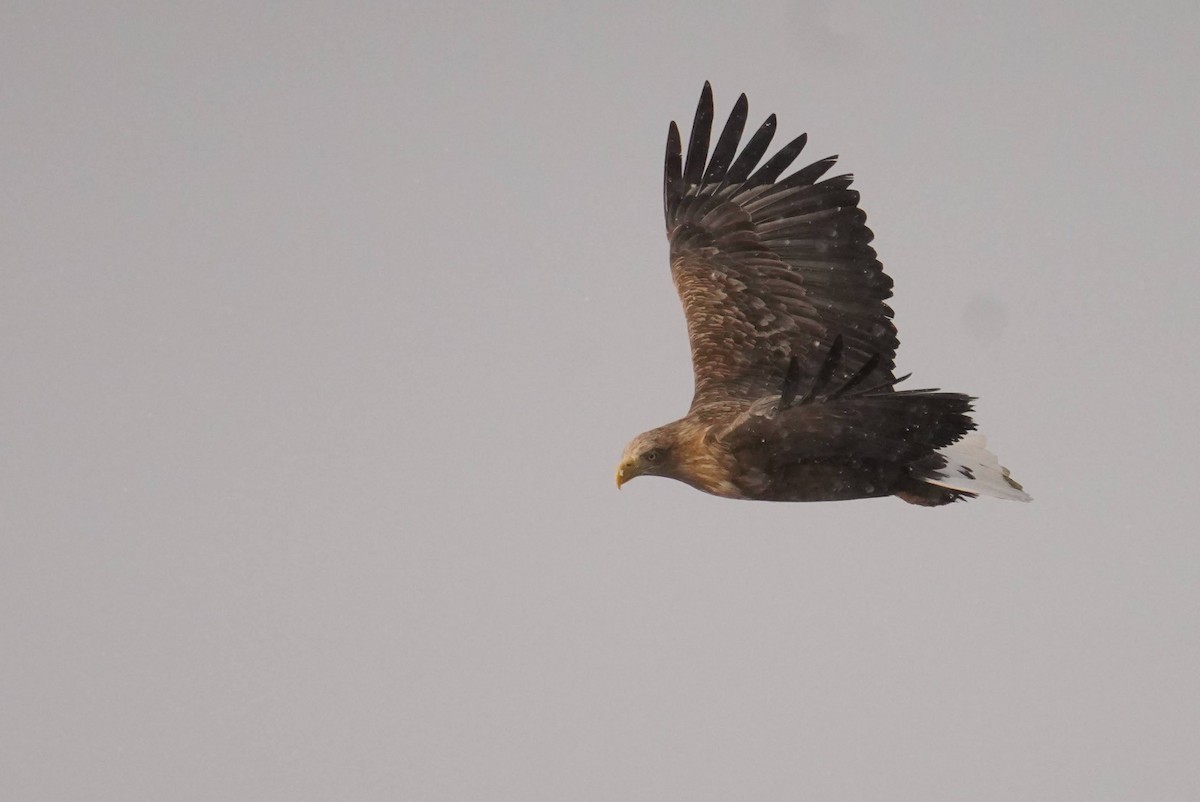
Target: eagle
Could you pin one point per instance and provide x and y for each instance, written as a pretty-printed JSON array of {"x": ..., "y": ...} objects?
[{"x": 793, "y": 346}]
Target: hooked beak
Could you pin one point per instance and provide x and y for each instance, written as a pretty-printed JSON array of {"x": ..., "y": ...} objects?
[{"x": 625, "y": 472}]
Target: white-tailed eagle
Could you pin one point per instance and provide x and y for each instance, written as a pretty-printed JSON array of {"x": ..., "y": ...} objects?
[{"x": 793, "y": 345}]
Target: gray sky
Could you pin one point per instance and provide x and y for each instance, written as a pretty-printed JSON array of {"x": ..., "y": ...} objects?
[{"x": 323, "y": 328}]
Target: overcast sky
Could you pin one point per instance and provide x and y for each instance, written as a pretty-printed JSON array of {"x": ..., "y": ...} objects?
[{"x": 322, "y": 328}]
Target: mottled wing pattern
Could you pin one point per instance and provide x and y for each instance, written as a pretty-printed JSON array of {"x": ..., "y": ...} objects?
[{"x": 769, "y": 268}]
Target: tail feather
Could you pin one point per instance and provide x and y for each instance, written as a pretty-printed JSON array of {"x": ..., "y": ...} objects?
[{"x": 971, "y": 468}]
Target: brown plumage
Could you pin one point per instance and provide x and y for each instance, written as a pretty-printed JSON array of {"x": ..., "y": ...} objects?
[{"x": 793, "y": 346}]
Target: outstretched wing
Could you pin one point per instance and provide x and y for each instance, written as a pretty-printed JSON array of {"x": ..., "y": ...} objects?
[{"x": 769, "y": 269}]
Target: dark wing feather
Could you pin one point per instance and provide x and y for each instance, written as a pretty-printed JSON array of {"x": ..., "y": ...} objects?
[
  {"x": 754, "y": 150},
  {"x": 726, "y": 149},
  {"x": 893, "y": 427},
  {"x": 693, "y": 169},
  {"x": 770, "y": 269},
  {"x": 779, "y": 162}
]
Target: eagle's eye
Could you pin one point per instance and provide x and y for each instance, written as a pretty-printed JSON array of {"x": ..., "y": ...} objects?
[{"x": 652, "y": 455}]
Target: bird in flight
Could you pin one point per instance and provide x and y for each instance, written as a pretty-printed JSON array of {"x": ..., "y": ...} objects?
[{"x": 793, "y": 346}]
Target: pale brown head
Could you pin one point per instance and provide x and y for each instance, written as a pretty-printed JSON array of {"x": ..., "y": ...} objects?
[
  {"x": 681, "y": 451},
  {"x": 651, "y": 453}
]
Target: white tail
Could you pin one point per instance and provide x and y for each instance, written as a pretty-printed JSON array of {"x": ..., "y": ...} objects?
[{"x": 971, "y": 468}]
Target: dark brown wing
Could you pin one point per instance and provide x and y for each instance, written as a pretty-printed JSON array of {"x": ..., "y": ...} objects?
[
  {"x": 893, "y": 427},
  {"x": 849, "y": 446},
  {"x": 769, "y": 268}
]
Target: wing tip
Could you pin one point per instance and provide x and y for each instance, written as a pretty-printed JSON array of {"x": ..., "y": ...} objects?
[{"x": 697, "y": 150}]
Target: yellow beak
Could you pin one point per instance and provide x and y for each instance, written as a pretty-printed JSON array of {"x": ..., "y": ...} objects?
[{"x": 624, "y": 473}]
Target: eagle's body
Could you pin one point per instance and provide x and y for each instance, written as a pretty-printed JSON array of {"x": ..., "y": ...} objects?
[{"x": 793, "y": 347}]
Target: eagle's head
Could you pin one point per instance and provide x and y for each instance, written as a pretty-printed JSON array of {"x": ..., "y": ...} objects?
[{"x": 650, "y": 453}]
